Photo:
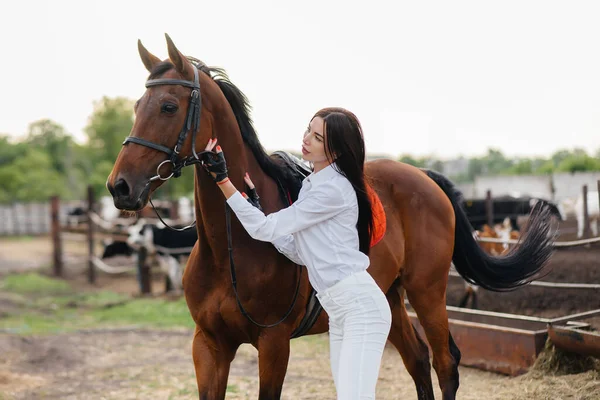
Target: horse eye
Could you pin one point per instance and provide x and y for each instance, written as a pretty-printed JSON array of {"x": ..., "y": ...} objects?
[{"x": 168, "y": 108}]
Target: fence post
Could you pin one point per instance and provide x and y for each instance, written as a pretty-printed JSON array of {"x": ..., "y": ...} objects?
[
  {"x": 144, "y": 271},
  {"x": 57, "y": 245},
  {"x": 586, "y": 216},
  {"x": 90, "y": 236},
  {"x": 489, "y": 208}
]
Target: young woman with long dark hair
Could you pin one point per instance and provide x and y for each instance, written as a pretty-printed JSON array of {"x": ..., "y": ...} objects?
[{"x": 328, "y": 229}]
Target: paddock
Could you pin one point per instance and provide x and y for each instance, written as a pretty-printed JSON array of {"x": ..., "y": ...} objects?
[{"x": 138, "y": 361}]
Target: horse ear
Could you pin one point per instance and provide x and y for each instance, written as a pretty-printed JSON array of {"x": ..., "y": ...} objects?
[
  {"x": 149, "y": 59},
  {"x": 182, "y": 65}
]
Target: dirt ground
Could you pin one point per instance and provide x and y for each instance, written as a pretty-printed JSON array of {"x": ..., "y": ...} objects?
[
  {"x": 156, "y": 364},
  {"x": 153, "y": 364}
]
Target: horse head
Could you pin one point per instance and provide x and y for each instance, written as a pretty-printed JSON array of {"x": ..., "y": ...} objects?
[{"x": 168, "y": 121}]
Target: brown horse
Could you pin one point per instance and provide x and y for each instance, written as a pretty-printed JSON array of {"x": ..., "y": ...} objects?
[{"x": 426, "y": 230}]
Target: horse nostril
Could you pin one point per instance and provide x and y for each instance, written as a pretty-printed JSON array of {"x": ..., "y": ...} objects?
[
  {"x": 110, "y": 188},
  {"x": 121, "y": 188}
]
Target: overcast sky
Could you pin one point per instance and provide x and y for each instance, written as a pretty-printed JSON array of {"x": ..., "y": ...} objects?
[{"x": 442, "y": 78}]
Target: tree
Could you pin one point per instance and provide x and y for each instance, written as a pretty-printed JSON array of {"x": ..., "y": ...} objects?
[
  {"x": 475, "y": 168},
  {"x": 495, "y": 162},
  {"x": 579, "y": 163},
  {"x": 99, "y": 176},
  {"x": 31, "y": 178},
  {"x": 109, "y": 124},
  {"x": 558, "y": 156},
  {"x": 50, "y": 137},
  {"x": 437, "y": 165},
  {"x": 521, "y": 167},
  {"x": 408, "y": 159},
  {"x": 10, "y": 151},
  {"x": 545, "y": 168}
]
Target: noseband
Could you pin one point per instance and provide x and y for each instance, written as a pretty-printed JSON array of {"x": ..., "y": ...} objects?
[{"x": 192, "y": 123}]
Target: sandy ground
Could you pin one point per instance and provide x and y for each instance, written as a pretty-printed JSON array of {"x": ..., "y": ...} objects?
[
  {"x": 152, "y": 364},
  {"x": 156, "y": 364}
]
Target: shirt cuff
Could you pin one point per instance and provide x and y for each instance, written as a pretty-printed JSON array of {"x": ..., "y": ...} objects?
[{"x": 237, "y": 201}]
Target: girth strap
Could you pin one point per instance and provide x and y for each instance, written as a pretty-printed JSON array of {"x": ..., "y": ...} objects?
[{"x": 313, "y": 310}]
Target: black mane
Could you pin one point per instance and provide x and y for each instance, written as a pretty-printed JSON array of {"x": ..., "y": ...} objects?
[{"x": 281, "y": 172}]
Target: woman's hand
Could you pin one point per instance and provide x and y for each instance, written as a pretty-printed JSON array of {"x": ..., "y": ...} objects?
[
  {"x": 253, "y": 196},
  {"x": 214, "y": 163}
]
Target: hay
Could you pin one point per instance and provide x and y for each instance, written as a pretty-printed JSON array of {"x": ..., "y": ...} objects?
[{"x": 556, "y": 362}]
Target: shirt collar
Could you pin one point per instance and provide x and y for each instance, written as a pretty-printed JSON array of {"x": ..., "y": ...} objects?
[{"x": 323, "y": 175}]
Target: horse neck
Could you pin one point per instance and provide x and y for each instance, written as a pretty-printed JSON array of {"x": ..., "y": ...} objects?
[{"x": 209, "y": 202}]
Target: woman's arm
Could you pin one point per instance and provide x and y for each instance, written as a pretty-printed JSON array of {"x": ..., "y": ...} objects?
[
  {"x": 286, "y": 245},
  {"x": 324, "y": 202}
]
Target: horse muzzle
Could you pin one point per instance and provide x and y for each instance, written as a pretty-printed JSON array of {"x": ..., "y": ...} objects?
[{"x": 128, "y": 197}]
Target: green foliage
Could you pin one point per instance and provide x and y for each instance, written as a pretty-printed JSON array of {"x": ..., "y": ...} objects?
[
  {"x": 49, "y": 162},
  {"x": 50, "y": 137},
  {"x": 109, "y": 124},
  {"x": 31, "y": 177},
  {"x": 578, "y": 163},
  {"x": 97, "y": 179},
  {"x": 496, "y": 163},
  {"x": 408, "y": 159}
]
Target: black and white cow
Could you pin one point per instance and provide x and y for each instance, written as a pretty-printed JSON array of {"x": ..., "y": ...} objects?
[
  {"x": 166, "y": 245},
  {"x": 113, "y": 248},
  {"x": 169, "y": 246}
]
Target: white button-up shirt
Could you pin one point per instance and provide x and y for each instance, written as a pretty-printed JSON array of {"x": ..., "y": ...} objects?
[{"x": 318, "y": 230}]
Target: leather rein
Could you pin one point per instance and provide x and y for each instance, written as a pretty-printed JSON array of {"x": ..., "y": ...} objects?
[{"x": 192, "y": 123}]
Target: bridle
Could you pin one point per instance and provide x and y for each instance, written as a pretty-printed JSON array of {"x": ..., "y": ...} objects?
[{"x": 192, "y": 123}]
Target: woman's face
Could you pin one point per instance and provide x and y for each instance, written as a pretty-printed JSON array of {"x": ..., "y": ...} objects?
[{"x": 313, "y": 144}]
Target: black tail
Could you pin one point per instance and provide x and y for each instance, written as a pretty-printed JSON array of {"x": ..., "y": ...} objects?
[{"x": 520, "y": 266}]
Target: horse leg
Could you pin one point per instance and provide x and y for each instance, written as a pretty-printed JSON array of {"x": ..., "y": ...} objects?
[
  {"x": 273, "y": 357},
  {"x": 430, "y": 306},
  {"x": 211, "y": 362},
  {"x": 411, "y": 347}
]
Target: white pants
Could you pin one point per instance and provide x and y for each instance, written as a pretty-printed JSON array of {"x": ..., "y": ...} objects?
[{"x": 359, "y": 324}]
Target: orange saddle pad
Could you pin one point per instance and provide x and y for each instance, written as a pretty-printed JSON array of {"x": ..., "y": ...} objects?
[{"x": 379, "y": 221}]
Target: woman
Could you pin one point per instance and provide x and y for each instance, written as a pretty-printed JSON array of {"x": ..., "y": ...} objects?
[{"x": 328, "y": 230}]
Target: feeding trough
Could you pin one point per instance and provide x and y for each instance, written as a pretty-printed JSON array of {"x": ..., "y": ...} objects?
[{"x": 508, "y": 343}]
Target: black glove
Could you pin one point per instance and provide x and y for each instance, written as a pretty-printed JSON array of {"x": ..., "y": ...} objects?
[
  {"x": 253, "y": 198},
  {"x": 214, "y": 163}
]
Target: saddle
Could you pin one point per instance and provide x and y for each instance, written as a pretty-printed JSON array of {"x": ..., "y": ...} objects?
[{"x": 295, "y": 170}]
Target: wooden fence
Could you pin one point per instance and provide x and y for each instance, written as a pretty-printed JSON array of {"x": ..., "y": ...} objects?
[{"x": 30, "y": 218}]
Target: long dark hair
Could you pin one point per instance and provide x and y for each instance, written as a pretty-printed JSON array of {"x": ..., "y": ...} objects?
[{"x": 345, "y": 145}]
